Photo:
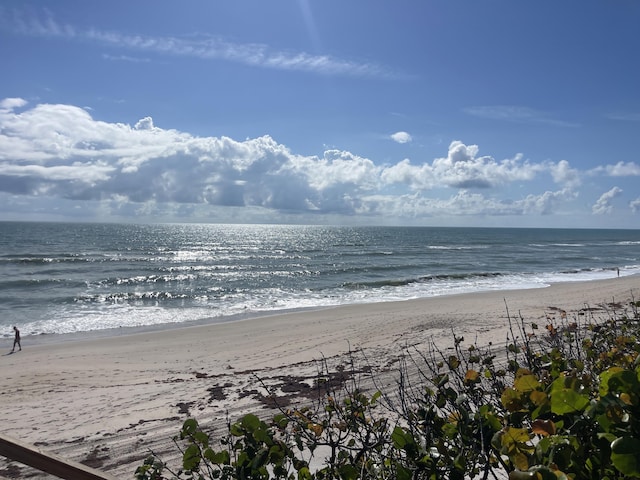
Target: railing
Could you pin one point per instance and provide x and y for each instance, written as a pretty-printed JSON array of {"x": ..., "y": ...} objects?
[{"x": 47, "y": 462}]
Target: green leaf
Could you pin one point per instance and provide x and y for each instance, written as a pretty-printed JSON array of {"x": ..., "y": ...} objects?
[
  {"x": 624, "y": 455},
  {"x": 262, "y": 434},
  {"x": 604, "y": 379},
  {"x": 511, "y": 400},
  {"x": 565, "y": 397},
  {"x": 568, "y": 401},
  {"x": 489, "y": 417},
  {"x": 189, "y": 426},
  {"x": 191, "y": 458},
  {"x": 217, "y": 458},
  {"x": 401, "y": 438},
  {"x": 276, "y": 454},
  {"x": 625, "y": 381},
  {"x": 236, "y": 430},
  {"x": 526, "y": 383},
  {"x": 544, "y": 473},
  {"x": 515, "y": 435},
  {"x": 520, "y": 460},
  {"x": 304, "y": 473},
  {"x": 201, "y": 438},
  {"x": 250, "y": 422},
  {"x": 348, "y": 472},
  {"x": 538, "y": 398},
  {"x": 441, "y": 380},
  {"x": 260, "y": 459},
  {"x": 281, "y": 420},
  {"x": 454, "y": 362},
  {"x": 514, "y": 443},
  {"x": 403, "y": 473}
]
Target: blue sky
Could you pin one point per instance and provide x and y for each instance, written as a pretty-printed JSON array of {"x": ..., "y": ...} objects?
[{"x": 480, "y": 113}]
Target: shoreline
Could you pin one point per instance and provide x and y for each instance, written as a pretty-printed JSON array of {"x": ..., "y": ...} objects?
[
  {"x": 116, "y": 332},
  {"x": 116, "y": 397}
]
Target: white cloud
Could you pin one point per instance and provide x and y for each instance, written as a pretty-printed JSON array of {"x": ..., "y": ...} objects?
[
  {"x": 562, "y": 173},
  {"x": 603, "y": 204},
  {"x": 461, "y": 168},
  {"x": 546, "y": 203},
  {"x": 336, "y": 168},
  {"x": 635, "y": 205},
  {"x": 620, "y": 169},
  {"x": 12, "y": 103},
  {"x": 62, "y": 154},
  {"x": 462, "y": 203},
  {"x": 202, "y": 46},
  {"x": 401, "y": 137}
]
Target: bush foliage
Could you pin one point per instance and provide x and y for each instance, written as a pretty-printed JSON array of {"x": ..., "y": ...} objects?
[{"x": 560, "y": 401}]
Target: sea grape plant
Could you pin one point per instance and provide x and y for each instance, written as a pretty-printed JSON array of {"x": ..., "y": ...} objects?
[{"x": 559, "y": 402}]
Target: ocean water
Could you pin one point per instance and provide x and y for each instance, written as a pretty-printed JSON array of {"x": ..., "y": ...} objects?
[{"x": 61, "y": 278}]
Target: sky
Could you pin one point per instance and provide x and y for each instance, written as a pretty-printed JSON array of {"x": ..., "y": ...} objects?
[{"x": 363, "y": 112}]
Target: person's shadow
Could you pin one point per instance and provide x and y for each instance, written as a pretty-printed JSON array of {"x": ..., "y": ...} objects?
[{"x": 10, "y": 353}]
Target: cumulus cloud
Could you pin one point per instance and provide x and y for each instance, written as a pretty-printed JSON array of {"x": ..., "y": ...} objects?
[
  {"x": 603, "y": 204},
  {"x": 59, "y": 154},
  {"x": 635, "y": 205},
  {"x": 620, "y": 169},
  {"x": 401, "y": 137},
  {"x": 61, "y": 151},
  {"x": 9, "y": 104},
  {"x": 545, "y": 203},
  {"x": 462, "y": 203},
  {"x": 461, "y": 168},
  {"x": 562, "y": 173}
]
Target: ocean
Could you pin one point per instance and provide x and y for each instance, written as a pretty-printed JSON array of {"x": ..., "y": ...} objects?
[{"x": 68, "y": 278}]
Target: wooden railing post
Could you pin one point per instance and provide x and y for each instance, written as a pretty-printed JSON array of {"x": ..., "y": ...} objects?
[{"x": 47, "y": 462}]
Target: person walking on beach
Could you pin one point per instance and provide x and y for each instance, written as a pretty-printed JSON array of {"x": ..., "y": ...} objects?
[{"x": 16, "y": 340}]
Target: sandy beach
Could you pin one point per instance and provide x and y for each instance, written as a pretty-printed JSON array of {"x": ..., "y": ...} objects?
[{"x": 108, "y": 401}]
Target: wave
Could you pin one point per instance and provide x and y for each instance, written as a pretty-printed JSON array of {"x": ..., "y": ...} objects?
[
  {"x": 376, "y": 284},
  {"x": 120, "y": 297},
  {"x": 38, "y": 259},
  {"x": 68, "y": 258},
  {"x": 457, "y": 247},
  {"x": 564, "y": 245},
  {"x": 453, "y": 277}
]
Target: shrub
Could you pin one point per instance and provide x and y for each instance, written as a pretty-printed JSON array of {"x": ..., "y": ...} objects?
[{"x": 561, "y": 402}]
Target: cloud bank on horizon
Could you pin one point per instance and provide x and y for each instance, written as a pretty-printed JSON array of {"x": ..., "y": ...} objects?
[
  {"x": 53, "y": 155},
  {"x": 303, "y": 112}
]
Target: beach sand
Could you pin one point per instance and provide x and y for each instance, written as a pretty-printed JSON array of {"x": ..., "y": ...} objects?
[{"x": 108, "y": 401}]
